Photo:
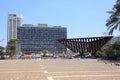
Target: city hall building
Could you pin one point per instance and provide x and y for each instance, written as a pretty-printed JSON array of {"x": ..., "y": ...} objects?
[{"x": 36, "y": 38}]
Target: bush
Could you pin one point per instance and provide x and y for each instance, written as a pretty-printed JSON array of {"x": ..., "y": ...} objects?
[{"x": 101, "y": 54}]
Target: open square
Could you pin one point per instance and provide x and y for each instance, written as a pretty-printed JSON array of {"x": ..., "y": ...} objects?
[{"x": 58, "y": 69}]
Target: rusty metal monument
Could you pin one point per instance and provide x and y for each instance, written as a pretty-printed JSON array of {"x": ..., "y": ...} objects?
[{"x": 81, "y": 45}]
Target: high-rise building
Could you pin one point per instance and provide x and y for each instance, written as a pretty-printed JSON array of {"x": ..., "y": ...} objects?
[
  {"x": 35, "y": 38},
  {"x": 14, "y": 20}
]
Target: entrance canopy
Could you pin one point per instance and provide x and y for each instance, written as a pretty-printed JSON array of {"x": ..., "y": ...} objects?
[{"x": 81, "y": 45}]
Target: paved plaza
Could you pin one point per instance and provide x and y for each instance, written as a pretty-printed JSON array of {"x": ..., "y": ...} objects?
[{"x": 58, "y": 69}]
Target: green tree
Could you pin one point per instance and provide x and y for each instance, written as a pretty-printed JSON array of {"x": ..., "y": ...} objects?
[
  {"x": 116, "y": 46},
  {"x": 108, "y": 51},
  {"x": 45, "y": 51},
  {"x": 11, "y": 46},
  {"x": 113, "y": 23},
  {"x": 2, "y": 52},
  {"x": 113, "y": 50}
]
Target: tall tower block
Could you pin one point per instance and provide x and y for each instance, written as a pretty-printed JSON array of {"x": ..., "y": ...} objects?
[{"x": 14, "y": 21}]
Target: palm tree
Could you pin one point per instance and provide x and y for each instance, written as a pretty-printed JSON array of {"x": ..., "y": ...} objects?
[{"x": 113, "y": 23}]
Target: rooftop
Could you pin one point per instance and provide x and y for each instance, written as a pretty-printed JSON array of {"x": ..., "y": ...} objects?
[{"x": 40, "y": 25}]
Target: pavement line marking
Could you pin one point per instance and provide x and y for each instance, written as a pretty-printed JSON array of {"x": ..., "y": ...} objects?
[
  {"x": 40, "y": 65},
  {"x": 86, "y": 76},
  {"x": 50, "y": 78},
  {"x": 42, "y": 68},
  {"x": 20, "y": 71},
  {"x": 83, "y": 71},
  {"x": 45, "y": 72},
  {"x": 17, "y": 69}
]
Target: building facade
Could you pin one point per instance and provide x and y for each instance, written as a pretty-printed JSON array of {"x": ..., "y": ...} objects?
[
  {"x": 14, "y": 20},
  {"x": 36, "y": 38}
]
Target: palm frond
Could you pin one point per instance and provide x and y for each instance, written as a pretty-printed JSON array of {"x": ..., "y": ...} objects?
[
  {"x": 111, "y": 31},
  {"x": 110, "y": 12},
  {"x": 113, "y": 23},
  {"x": 119, "y": 26},
  {"x": 116, "y": 26}
]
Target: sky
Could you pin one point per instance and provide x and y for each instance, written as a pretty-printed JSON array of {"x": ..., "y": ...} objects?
[{"x": 82, "y": 18}]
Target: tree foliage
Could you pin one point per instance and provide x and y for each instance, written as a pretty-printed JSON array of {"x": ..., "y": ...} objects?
[
  {"x": 111, "y": 52},
  {"x": 45, "y": 51},
  {"x": 116, "y": 46},
  {"x": 113, "y": 23},
  {"x": 11, "y": 46},
  {"x": 2, "y": 52}
]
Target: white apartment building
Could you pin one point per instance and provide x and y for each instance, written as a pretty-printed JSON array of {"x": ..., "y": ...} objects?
[{"x": 14, "y": 21}]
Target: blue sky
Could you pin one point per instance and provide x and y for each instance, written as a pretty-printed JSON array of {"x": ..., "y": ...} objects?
[{"x": 83, "y": 18}]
